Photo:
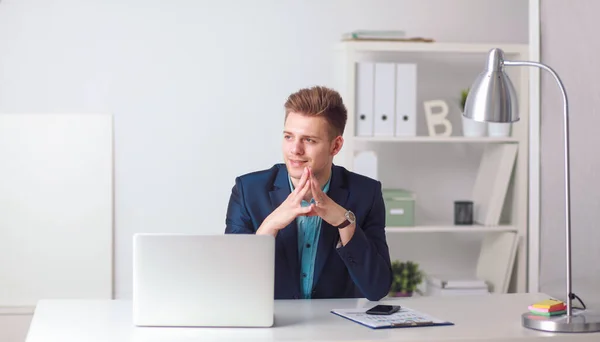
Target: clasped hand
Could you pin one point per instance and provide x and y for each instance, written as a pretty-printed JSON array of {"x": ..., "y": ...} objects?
[{"x": 291, "y": 208}]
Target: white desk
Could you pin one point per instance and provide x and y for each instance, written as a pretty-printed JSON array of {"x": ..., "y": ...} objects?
[{"x": 477, "y": 318}]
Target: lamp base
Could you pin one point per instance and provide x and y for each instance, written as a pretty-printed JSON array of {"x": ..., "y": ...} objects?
[{"x": 581, "y": 321}]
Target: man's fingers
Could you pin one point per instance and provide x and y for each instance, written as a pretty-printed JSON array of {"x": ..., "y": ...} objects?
[
  {"x": 306, "y": 211},
  {"x": 303, "y": 191},
  {"x": 310, "y": 210},
  {"x": 302, "y": 181},
  {"x": 316, "y": 192}
]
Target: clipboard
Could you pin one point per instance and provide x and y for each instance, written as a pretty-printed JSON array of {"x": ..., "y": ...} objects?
[{"x": 404, "y": 318}]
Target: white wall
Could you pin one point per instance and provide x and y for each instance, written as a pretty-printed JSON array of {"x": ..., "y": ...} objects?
[
  {"x": 572, "y": 53},
  {"x": 56, "y": 207},
  {"x": 197, "y": 87}
]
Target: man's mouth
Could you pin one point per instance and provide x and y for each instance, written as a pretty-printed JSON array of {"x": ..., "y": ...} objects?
[{"x": 297, "y": 162}]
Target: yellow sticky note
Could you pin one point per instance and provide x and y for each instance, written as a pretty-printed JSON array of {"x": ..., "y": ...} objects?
[{"x": 549, "y": 304}]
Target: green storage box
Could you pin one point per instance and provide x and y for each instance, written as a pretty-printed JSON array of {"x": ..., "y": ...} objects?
[{"x": 399, "y": 208}]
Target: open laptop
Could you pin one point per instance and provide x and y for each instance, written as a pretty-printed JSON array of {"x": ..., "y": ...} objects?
[{"x": 203, "y": 280}]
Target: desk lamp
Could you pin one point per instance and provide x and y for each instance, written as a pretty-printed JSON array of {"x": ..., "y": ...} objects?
[{"x": 492, "y": 98}]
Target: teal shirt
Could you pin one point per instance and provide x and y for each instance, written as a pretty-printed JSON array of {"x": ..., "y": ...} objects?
[{"x": 309, "y": 229}]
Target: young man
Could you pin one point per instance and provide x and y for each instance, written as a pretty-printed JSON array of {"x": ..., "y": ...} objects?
[{"x": 328, "y": 222}]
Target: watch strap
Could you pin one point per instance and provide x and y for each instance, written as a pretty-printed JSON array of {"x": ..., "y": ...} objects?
[
  {"x": 349, "y": 219},
  {"x": 344, "y": 224}
]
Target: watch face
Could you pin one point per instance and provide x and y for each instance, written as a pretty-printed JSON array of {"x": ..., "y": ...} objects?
[{"x": 350, "y": 216}]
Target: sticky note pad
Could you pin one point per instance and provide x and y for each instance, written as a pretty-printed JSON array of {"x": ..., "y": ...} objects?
[
  {"x": 557, "y": 307},
  {"x": 546, "y": 311},
  {"x": 543, "y": 312},
  {"x": 550, "y": 304}
]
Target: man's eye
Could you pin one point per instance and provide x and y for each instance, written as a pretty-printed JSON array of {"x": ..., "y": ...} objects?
[
  {"x": 309, "y": 140},
  {"x": 287, "y": 137}
]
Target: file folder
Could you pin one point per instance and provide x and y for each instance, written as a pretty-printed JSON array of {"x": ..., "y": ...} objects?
[
  {"x": 364, "y": 98},
  {"x": 406, "y": 100},
  {"x": 385, "y": 90},
  {"x": 405, "y": 318},
  {"x": 365, "y": 163}
]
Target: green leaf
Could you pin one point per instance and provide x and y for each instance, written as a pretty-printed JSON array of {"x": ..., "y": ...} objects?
[{"x": 406, "y": 276}]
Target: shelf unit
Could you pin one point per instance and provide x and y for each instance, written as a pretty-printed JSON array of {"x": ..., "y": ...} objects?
[
  {"x": 424, "y": 139},
  {"x": 452, "y": 229},
  {"x": 436, "y": 47},
  {"x": 497, "y": 241}
]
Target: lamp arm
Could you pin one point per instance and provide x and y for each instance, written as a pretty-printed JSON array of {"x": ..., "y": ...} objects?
[{"x": 570, "y": 295}]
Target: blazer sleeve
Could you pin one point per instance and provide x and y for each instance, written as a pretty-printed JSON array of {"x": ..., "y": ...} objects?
[
  {"x": 238, "y": 219},
  {"x": 367, "y": 256}
]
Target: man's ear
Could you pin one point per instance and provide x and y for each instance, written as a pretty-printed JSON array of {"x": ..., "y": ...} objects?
[{"x": 337, "y": 144}]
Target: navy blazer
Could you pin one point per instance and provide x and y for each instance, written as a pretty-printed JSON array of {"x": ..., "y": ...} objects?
[{"x": 361, "y": 269}]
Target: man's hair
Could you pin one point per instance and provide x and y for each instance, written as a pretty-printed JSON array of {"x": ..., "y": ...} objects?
[{"x": 320, "y": 101}]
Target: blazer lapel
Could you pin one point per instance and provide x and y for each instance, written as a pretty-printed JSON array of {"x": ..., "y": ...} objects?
[
  {"x": 329, "y": 237},
  {"x": 289, "y": 235}
]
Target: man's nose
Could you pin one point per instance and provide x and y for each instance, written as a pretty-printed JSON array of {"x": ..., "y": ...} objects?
[{"x": 297, "y": 147}]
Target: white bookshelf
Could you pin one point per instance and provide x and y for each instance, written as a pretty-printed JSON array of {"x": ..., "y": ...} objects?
[
  {"x": 437, "y": 47},
  {"x": 431, "y": 158},
  {"x": 423, "y": 139},
  {"x": 452, "y": 229}
]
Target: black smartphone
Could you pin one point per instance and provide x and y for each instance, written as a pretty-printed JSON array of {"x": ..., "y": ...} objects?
[{"x": 383, "y": 309}]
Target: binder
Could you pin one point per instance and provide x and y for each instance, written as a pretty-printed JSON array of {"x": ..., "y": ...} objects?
[
  {"x": 492, "y": 182},
  {"x": 365, "y": 76},
  {"x": 406, "y": 100},
  {"x": 365, "y": 163},
  {"x": 496, "y": 260},
  {"x": 405, "y": 318},
  {"x": 385, "y": 91}
]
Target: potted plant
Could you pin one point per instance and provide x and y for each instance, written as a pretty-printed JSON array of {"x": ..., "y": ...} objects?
[
  {"x": 494, "y": 129},
  {"x": 406, "y": 277},
  {"x": 471, "y": 128},
  {"x": 463, "y": 99}
]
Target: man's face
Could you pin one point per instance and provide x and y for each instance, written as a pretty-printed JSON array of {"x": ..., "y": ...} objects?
[{"x": 307, "y": 142}]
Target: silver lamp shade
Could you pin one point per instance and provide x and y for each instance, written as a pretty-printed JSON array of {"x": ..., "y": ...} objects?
[{"x": 492, "y": 97}]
